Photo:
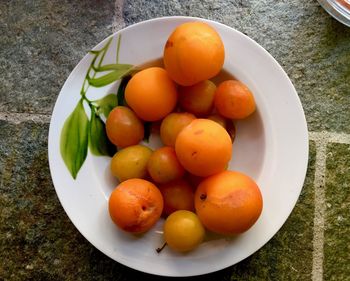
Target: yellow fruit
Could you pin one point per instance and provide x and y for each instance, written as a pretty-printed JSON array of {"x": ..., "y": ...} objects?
[
  {"x": 183, "y": 231},
  {"x": 131, "y": 162}
]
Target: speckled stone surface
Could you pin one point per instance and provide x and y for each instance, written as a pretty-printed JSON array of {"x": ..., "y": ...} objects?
[
  {"x": 41, "y": 42},
  {"x": 38, "y": 241},
  {"x": 337, "y": 228},
  {"x": 311, "y": 46},
  {"x": 288, "y": 256}
]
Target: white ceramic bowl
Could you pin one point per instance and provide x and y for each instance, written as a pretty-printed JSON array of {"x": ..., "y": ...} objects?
[
  {"x": 271, "y": 146},
  {"x": 338, "y": 9}
]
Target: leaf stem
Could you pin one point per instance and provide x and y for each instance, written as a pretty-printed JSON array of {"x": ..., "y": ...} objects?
[
  {"x": 96, "y": 54},
  {"x": 118, "y": 47},
  {"x": 105, "y": 48},
  {"x": 158, "y": 250},
  {"x": 92, "y": 106}
]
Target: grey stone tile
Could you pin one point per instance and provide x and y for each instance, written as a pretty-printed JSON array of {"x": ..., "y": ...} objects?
[
  {"x": 288, "y": 256},
  {"x": 38, "y": 241},
  {"x": 337, "y": 224},
  {"x": 41, "y": 42},
  {"x": 311, "y": 46}
]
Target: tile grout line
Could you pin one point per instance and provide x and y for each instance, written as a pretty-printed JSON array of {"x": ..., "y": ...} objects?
[
  {"x": 17, "y": 117},
  {"x": 321, "y": 140},
  {"x": 330, "y": 137},
  {"x": 339, "y": 138}
]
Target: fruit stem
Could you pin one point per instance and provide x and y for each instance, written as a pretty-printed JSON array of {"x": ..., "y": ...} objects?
[{"x": 158, "y": 250}]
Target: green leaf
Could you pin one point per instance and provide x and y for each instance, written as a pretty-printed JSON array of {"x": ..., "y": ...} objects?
[
  {"x": 106, "y": 104},
  {"x": 109, "y": 78},
  {"x": 99, "y": 143},
  {"x": 118, "y": 48},
  {"x": 121, "y": 90},
  {"x": 119, "y": 67},
  {"x": 104, "y": 49},
  {"x": 74, "y": 139},
  {"x": 94, "y": 52}
]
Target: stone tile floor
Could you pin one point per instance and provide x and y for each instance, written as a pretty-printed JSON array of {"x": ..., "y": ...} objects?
[{"x": 41, "y": 42}]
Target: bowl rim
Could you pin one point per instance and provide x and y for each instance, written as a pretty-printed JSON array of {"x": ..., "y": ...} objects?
[
  {"x": 337, "y": 11},
  {"x": 297, "y": 99}
]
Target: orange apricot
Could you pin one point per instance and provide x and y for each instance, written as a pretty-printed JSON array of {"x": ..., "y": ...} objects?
[
  {"x": 228, "y": 202},
  {"x": 135, "y": 205},
  {"x": 163, "y": 165},
  {"x": 131, "y": 162},
  {"x": 194, "y": 52},
  {"x": 151, "y": 94},
  {"x": 177, "y": 195},
  {"x": 172, "y": 125},
  {"x": 123, "y": 127},
  {"x": 199, "y": 98},
  {"x": 227, "y": 124},
  {"x": 203, "y": 147},
  {"x": 218, "y": 119},
  {"x": 193, "y": 180},
  {"x": 234, "y": 100}
]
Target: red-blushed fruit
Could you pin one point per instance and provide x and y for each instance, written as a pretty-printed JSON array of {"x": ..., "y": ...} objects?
[
  {"x": 193, "y": 180},
  {"x": 228, "y": 203},
  {"x": 198, "y": 99},
  {"x": 135, "y": 205},
  {"x": 177, "y": 195},
  {"x": 123, "y": 127},
  {"x": 172, "y": 125},
  {"x": 163, "y": 165},
  {"x": 234, "y": 100}
]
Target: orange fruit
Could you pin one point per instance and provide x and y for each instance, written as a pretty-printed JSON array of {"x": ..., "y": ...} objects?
[
  {"x": 131, "y": 162},
  {"x": 227, "y": 124},
  {"x": 177, "y": 195},
  {"x": 123, "y": 127},
  {"x": 199, "y": 98},
  {"x": 234, "y": 100},
  {"x": 194, "y": 52},
  {"x": 231, "y": 129},
  {"x": 193, "y": 180},
  {"x": 203, "y": 147},
  {"x": 135, "y": 205},
  {"x": 163, "y": 165},
  {"x": 151, "y": 94},
  {"x": 172, "y": 125},
  {"x": 218, "y": 119},
  {"x": 228, "y": 202}
]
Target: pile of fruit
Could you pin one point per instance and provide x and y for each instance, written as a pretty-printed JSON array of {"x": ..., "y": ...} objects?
[{"x": 186, "y": 181}]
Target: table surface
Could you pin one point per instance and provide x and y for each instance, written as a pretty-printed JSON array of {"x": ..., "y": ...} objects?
[{"x": 42, "y": 41}]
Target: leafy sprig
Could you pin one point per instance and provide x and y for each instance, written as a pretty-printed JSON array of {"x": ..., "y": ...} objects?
[{"x": 80, "y": 132}]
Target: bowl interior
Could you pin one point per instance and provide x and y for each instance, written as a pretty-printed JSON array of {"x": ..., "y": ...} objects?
[{"x": 271, "y": 146}]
